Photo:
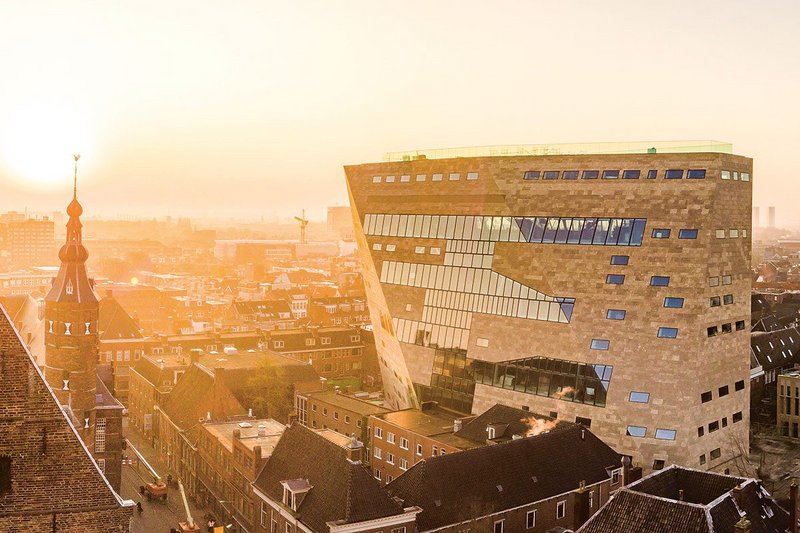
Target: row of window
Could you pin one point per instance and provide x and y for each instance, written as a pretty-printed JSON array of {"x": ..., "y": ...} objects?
[
  {"x": 641, "y": 432},
  {"x": 715, "y": 454},
  {"x": 406, "y": 178},
  {"x": 713, "y": 281},
  {"x": 335, "y": 415},
  {"x": 664, "y": 233},
  {"x": 722, "y": 391},
  {"x": 655, "y": 281},
  {"x": 727, "y": 174},
  {"x": 430, "y": 335},
  {"x": 713, "y": 331},
  {"x": 530, "y": 229},
  {"x": 390, "y": 458},
  {"x": 732, "y": 233},
  {"x": 671, "y": 174},
  {"x": 503, "y": 306},
  {"x": 715, "y": 301},
  {"x": 715, "y": 425}
]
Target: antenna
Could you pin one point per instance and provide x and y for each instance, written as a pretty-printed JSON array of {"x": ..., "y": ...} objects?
[
  {"x": 75, "y": 176},
  {"x": 303, "y": 223}
]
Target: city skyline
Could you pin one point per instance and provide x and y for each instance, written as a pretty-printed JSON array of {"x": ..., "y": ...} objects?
[{"x": 255, "y": 110}]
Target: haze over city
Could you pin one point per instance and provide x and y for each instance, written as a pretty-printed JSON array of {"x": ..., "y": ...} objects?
[{"x": 185, "y": 108}]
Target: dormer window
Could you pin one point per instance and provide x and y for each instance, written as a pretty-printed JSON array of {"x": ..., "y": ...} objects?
[
  {"x": 69, "y": 287},
  {"x": 492, "y": 432},
  {"x": 294, "y": 490}
]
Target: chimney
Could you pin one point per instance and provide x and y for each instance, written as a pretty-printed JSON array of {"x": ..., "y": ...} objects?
[
  {"x": 634, "y": 474},
  {"x": 208, "y": 416},
  {"x": 743, "y": 526},
  {"x": 354, "y": 449},
  {"x": 736, "y": 493},
  {"x": 194, "y": 356},
  {"x": 457, "y": 425},
  {"x": 583, "y": 434},
  {"x": 581, "y": 512},
  {"x": 680, "y": 495},
  {"x": 793, "y": 507},
  {"x": 237, "y": 434},
  {"x": 262, "y": 430},
  {"x": 250, "y": 412}
]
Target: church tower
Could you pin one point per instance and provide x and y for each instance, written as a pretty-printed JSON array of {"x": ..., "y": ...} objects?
[{"x": 71, "y": 314}]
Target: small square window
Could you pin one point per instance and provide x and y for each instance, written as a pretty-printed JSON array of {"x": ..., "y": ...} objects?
[
  {"x": 673, "y": 174},
  {"x": 570, "y": 175},
  {"x": 610, "y": 174},
  {"x": 720, "y": 234},
  {"x": 713, "y": 426},
  {"x": 531, "y": 175},
  {"x": 727, "y": 299},
  {"x": 705, "y": 397},
  {"x": 745, "y": 176},
  {"x": 389, "y": 179},
  {"x": 714, "y": 301},
  {"x": 725, "y": 174},
  {"x": 672, "y": 302},
  {"x": 376, "y": 179},
  {"x": 590, "y": 174},
  {"x": 716, "y": 454},
  {"x": 687, "y": 234},
  {"x": 659, "y": 281},
  {"x": 726, "y": 280},
  {"x": 420, "y": 177},
  {"x": 727, "y": 328},
  {"x": 713, "y": 281},
  {"x": 405, "y": 178},
  {"x": 615, "y": 279},
  {"x": 737, "y": 417},
  {"x": 739, "y": 385},
  {"x": 733, "y": 233},
  {"x": 658, "y": 464},
  {"x": 712, "y": 331},
  {"x": 619, "y": 260},
  {"x": 723, "y": 391},
  {"x": 652, "y": 174},
  {"x": 660, "y": 233},
  {"x": 631, "y": 174}
]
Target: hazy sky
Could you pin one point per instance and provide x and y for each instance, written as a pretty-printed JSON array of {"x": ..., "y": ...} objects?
[{"x": 219, "y": 108}]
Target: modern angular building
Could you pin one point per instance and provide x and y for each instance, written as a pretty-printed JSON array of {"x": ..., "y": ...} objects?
[{"x": 606, "y": 284}]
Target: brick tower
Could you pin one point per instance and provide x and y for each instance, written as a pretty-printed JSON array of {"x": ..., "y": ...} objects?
[{"x": 71, "y": 311}]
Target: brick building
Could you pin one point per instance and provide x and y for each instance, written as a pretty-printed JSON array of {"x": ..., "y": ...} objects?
[
  {"x": 554, "y": 479},
  {"x": 609, "y": 284},
  {"x": 335, "y": 352},
  {"x": 121, "y": 343},
  {"x": 338, "y": 311},
  {"x": 344, "y": 413},
  {"x": 31, "y": 242},
  {"x": 48, "y": 479}
]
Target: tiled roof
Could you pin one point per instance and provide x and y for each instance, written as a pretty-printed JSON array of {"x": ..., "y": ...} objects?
[
  {"x": 114, "y": 322},
  {"x": 776, "y": 349},
  {"x": 295, "y": 339},
  {"x": 503, "y": 476},
  {"x": 263, "y": 308},
  {"x": 710, "y": 504},
  {"x": 198, "y": 393},
  {"x": 341, "y": 490},
  {"x": 514, "y": 420}
]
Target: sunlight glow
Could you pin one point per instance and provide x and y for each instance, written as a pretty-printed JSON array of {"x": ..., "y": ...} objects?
[{"x": 38, "y": 143}]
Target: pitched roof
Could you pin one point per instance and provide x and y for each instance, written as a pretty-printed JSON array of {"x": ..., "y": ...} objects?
[
  {"x": 114, "y": 322},
  {"x": 198, "y": 393},
  {"x": 776, "y": 349},
  {"x": 513, "y": 421},
  {"x": 489, "y": 479},
  {"x": 342, "y": 490},
  {"x": 710, "y": 504}
]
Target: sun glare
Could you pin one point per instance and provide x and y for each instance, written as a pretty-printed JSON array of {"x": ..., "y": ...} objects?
[{"x": 38, "y": 143}]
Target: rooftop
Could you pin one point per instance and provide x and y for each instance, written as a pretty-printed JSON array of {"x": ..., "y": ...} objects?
[
  {"x": 223, "y": 431},
  {"x": 635, "y": 147},
  {"x": 429, "y": 423},
  {"x": 364, "y": 407}
]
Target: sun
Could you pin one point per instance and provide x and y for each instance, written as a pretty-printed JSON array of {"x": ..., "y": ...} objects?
[{"x": 38, "y": 143}]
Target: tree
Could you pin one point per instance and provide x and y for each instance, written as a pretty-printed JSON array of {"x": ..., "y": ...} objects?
[{"x": 268, "y": 393}]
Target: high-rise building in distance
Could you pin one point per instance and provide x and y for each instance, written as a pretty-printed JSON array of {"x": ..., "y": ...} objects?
[
  {"x": 771, "y": 216},
  {"x": 607, "y": 285}
]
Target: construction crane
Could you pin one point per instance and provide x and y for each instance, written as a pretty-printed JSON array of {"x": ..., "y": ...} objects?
[
  {"x": 189, "y": 526},
  {"x": 303, "y": 223}
]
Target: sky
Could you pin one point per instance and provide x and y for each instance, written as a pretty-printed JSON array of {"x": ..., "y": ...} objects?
[{"x": 251, "y": 109}]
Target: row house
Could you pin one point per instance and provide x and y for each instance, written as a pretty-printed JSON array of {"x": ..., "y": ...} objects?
[
  {"x": 335, "y": 352},
  {"x": 344, "y": 413},
  {"x": 120, "y": 343},
  {"x": 265, "y": 315},
  {"x": 338, "y": 311}
]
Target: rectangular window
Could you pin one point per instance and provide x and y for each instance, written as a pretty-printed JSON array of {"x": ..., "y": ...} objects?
[
  {"x": 631, "y": 174},
  {"x": 737, "y": 417},
  {"x": 652, "y": 174},
  {"x": 615, "y": 314},
  {"x": 377, "y": 452},
  {"x": 419, "y": 449},
  {"x": 570, "y": 175},
  {"x": 745, "y": 176},
  {"x": 610, "y": 174},
  {"x": 531, "y": 175},
  {"x": 705, "y": 397},
  {"x": 712, "y": 331},
  {"x": 472, "y": 176},
  {"x": 419, "y": 249},
  {"x": 696, "y": 174},
  {"x": 420, "y": 177},
  {"x": 561, "y": 509},
  {"x": 714, "y": 301},
  {"x": 615, "y": 279},
  {"x": 530, "y": 519},
  {"x": 725, "y": 174},
  {"x": 666, "y": 434},
  {"x": 727, "y": 328},
  {"x": 713, "y": 281},
  {"x": 454, "y": 176},
  {"x": 673, "y": 174},
  {"x": 378, "y": 433},
  {"x": 389, "y": 179},
  {"x": 376, "y": 179},
  {"x": 687, "y": 234},
  {"x": 636, "y": 431},
  {"x": 390, "y": 437},
  {"x": 727, "y": 299},
  {"x": 660, "y": 233},
  {"x": 716, "y": 454},
  {"x": 672, "y": 302},
  {"x": 100, "y": 435},
  {"x": 701, "y": 431},
  {"x": 667, "y": 333},
  {"x": 726, "y": 280},
  {"x": 723, "y": 391},
  {"x": 659, "y": 281},
  {"x": 703, "y": 459},
  {"x": 599, "y": 344},
  {"x": 639, "y": 397},
  {"x": 550, "y": 175},
  {"x": 719, "y": 234},
  {"x": 5, "y": 474},
  {"x": 590, "y": 174},
  {"x": 498, "y": 526},
  {"x": 390, "y": 458},
  {"x": 739, "y": 385},
  {"x": 733, "y": 233},
  {"x": 713, "y": 426},
  {"x": 619, "y": 259},
  {"x": 404, "y": 443},
  {"x": 658, "y": 464},
  {"x": 405, "y": 178}
]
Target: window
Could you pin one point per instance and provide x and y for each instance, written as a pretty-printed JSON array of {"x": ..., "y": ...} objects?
[
  {"x": 376, "y": 179},
  {"x": 714, "y": 301},
  {"x": 585, "y": 422},
  {"x": 660, "y": 233},
  {"x": 403, "y": 443},
  {"x": 713, "y": 426},
  {"x": 667, "y": 333},
  {"x": 435, "y": 250},
  {"x": 377, "y": 452},
  {"x": 454, "y": 176},
  {"x": 716, "y": 454},
  {"x": 703, "y": 459},
  {"x": 530, "y": 519},
  {"x": 696, "y": 174},
  {"x": 570, "y": 175},
  {"x": 390, "y": 437},
  {"x": 531, "y": 175},
  {"x": 615, "y": 314},
  {"x": 636, "y": 431},
  {"x": 472, "y": 175},
  {"x": 610, "y": 174},
  {"x": 723, "y": 391},
  {"x": 550, "y": 174},
  {"x": 498, "y": 526},
  {"x": 659, "y": 281},
  {"x": 639, "y": 397},
  {"x": 652, "y": 174},
  {"x": 346, "y": 419},
  {"x": 631, "y": 174},
  {"x": 727, "y": 299},
  {"x": 724, "y": 421},
  {"x": 673, "y": 302},
  {"x": 705, "y": 397},
  {"x": 739, "y": 385},
  {"x": 5, "y": 474},
  {"x": 403, "y": 464},
  {"x": 389, "y": 179},
  {"x": 687, "y": 234},
  {"x": 420, "y": 177},
  {"x": 390, "y": 458},
  {"x": 561, "y": 509},
  {"x": 419, "y": 250},
  {"x": 712, "y": 331},
  {"x": 599, "y": 344},
  {"x": 391, "y": 247},
  {"x": 436, "y": 177},
  {"x": 666, "y": 434},
  {"x": 590, "y": 174},
  {"x": 419, "y": 449},
  {"x": 733, "y": 233},
  {"x": 701, "y": 431},
  {"x": 619, "y": 259},
  {"x": 725, "y": 174},
  {"x": 378, "y": 474},
  {"x": 615, "y": 476},
  {"x": 737, "y": 417},
  {"x": 713, "y": 281},
  {"x": 658, "y": 464},
  {"x": 398, "y": 530},
  {"x": 100, "y": 435},
  {"x": 727, "y": 328},
  {"x": 735, "y": 176},
  {"x": 377, "y": 247},
  {"x": 378, "y": 433},
  {"x": 720, "y": 234},
  {"x": 745, "y": 176},
  {"x": 336, "y": 415},
  {"x": 615, "y": 279},
  {"x": 673, "y": 174},
  {"x": 405, "y": 178},
  {"x": 726, "y": 280}
]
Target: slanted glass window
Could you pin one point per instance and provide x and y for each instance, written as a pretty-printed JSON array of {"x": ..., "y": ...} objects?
[
  {"x": 727, "y": 299},
  {"x": 570, "y": 175},
  {"x": 610, "y": 174},
  {"x": 673, "y": 302},
  {"x": 615, "y": 279},
  {"x": 667, "y": 333},
  {"x": 659, "y": 281},
  {"x": 705, "y": 397},
  {"x": 590, "y": 174},
  {"x": 472, "y": 175},
  {"x": 725, "y": 174},
  {"x": 712, "y": 331},
  {"x": 551, "y": 174},
  {"x": 636, "y": 431},
  {"x": 696, "y": 174},
  {"x": 714, "y": 301},
  {"x": 739, "y": 325},
  {"x": 660, "y": 233},
  {"x": 673, "y": 174},
  {"x": 615, "y": 314},
  {"x": 631, "y": 174},
  {"x": 652, "y": 174},
  {"x": 619, "y": 259},
  {"x": 666, "y": 434},
  {"x": 600, "y": 344},
  {"x": 687, "y": 234},
  {"x": 639, "y": 397},
  {"x": 531, "y": 175}
]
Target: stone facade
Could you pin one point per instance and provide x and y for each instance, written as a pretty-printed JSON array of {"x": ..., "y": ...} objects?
[{"x": 446, "y": 335}]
